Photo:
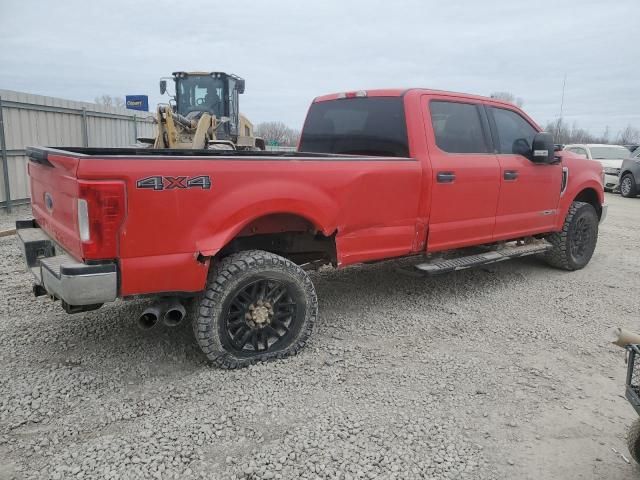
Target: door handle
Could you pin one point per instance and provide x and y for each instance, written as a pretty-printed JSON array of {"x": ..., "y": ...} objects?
[
  {"x": 510, "y": 174},
  {"x": 445, "y": 177}
]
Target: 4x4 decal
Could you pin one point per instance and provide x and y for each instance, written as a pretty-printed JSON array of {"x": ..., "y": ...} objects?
[{"x": 158, "y": 182}]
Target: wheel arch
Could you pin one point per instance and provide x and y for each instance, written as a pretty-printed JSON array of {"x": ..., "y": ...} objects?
[
  {"x": 590, "y": 195},
  {"x": 289, "y": 201},
  {"x": 291, "y": 234}
]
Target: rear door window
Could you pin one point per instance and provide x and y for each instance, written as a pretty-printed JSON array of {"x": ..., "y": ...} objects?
[
  {"x": 360, "y": 126},
  {"x": 458, "y": 127}
]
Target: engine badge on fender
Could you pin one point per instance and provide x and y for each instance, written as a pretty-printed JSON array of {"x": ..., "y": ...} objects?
[{"x": 158, "y": 182}]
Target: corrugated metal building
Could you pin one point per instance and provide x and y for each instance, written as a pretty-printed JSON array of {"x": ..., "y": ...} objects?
[{"x": 35, "y": 120}]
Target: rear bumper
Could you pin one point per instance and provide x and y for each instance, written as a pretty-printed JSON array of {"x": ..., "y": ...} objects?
[{"x": 60, "y": 275}]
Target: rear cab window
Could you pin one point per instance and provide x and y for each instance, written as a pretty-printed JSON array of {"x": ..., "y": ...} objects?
[{"x": 358, "y": 126}]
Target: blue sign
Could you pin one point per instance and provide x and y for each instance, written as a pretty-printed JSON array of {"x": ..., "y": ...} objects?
[{"x": 137, "y": 102}]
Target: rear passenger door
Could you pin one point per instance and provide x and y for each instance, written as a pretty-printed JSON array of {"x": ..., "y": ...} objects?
[
  {"x": 465, "y": 174},
  {"x": 529, "y": 192}
]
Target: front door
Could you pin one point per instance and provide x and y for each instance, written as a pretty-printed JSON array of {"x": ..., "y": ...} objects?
[
  {"x": 529, "y": 192},
  {"x": 465, "y": 174}
]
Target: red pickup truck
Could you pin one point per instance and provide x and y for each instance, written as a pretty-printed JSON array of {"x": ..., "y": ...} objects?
[{"x": 455, "y": 180}]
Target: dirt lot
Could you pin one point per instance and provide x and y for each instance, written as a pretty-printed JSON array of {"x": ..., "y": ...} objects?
[{"x": 501, "y": 372}]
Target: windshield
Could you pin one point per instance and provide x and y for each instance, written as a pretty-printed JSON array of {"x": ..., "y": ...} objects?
[
  {"x": 202, "y": 94},
  {"x": 609, "y": 153},
  {"x": 360, "y": 126}
]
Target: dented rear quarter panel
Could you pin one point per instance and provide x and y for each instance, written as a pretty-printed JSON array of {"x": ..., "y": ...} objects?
[{"x": 370, "y": 204}]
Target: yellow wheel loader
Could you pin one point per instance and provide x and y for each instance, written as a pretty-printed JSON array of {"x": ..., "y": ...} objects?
[{"x": 204, "y": 114}]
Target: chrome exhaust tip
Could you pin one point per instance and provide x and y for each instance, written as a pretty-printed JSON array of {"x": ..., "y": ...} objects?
[
  {"x": 149, "y": 318},
  {"x": 174, "y": 314}
]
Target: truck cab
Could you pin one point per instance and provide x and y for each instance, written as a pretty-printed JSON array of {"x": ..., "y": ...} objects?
[{"x": 482, "y": 181}]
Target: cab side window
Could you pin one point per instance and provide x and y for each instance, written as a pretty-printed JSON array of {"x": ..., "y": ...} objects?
[
  {"x": 458, "y": 127},
  {"x": 515, "y": 134}
]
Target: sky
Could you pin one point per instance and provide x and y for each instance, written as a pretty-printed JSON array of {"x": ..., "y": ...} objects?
[{"x": 291, "y": 51}]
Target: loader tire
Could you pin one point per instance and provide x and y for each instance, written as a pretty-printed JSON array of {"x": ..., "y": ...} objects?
[
  {"x": 574, "y": 245},
  {"x": 257, "y": 306},
  {"x": 633, "y": 440}
]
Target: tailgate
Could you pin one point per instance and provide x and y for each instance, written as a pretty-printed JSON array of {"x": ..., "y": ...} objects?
[{"x": 54, "y": 197}]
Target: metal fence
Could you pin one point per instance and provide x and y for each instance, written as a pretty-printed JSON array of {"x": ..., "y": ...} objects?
[{"x": 34, "y": 120}]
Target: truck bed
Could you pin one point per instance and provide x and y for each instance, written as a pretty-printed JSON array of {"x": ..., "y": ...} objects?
[
  {"x": 146, "y": 215},
  {"x": 41, "y": 153}
]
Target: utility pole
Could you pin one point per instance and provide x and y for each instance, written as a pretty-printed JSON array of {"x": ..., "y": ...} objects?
[{"x": 564, "y": 84}]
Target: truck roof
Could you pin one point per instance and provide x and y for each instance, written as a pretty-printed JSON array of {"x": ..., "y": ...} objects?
[
  {"x": 399, "y": 92},
  {"x": 589, "y": 145}
]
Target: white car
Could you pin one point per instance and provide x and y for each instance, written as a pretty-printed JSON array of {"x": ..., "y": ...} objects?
[{"x": 610, "y": 156}]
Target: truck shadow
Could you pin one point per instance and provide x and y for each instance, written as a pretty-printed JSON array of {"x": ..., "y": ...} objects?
[
  {"x": 373, "y": 290},
  {"x": 378, "y": 283}
]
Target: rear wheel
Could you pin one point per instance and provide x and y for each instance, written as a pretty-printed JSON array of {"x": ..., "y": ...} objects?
[
  {"x": 573, "y": 247},
  {"x": 628, "y": 188},
  {"x": 257, "y": 306}
]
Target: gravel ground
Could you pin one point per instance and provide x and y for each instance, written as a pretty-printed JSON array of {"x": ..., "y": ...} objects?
[{"x": 501, "y": 372}]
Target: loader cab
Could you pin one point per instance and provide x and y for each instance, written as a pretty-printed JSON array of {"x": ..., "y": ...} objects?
[{"x": 214, "y": 92}]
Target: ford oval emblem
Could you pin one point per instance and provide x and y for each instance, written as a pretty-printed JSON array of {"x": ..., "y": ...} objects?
[{"x": 48, "y": 201}]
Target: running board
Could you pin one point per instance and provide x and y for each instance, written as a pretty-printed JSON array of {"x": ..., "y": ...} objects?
[{"x": 461, "y": 263}]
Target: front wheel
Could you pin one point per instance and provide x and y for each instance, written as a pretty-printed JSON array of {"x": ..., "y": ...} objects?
[
  {"x": 628, "y": 187},
  {"x": 574, "y": 245},
  {"x": 257, "y": 306}
]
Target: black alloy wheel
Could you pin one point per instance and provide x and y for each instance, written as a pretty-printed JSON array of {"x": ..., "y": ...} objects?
[
  {"x": 257, "y": 306},
  {"x": 260, "y": 316}
]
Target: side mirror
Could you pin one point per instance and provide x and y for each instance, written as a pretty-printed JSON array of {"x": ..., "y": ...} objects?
[
  {"x": 521, "y": 147},
  {"x": 240, "y": 86},
  {"x": 543, "y": 149},
  {"x": 163, "y": 87}
]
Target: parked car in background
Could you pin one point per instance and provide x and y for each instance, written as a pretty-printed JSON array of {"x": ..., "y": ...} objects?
[
  {"x": 610, "y": 156},
  {"x": 630, "y": 176}
]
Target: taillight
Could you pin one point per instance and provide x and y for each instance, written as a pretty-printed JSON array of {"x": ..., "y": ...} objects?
[
  {"x": 101, "y": 210},
  {"x": 359, "y": 93}
]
